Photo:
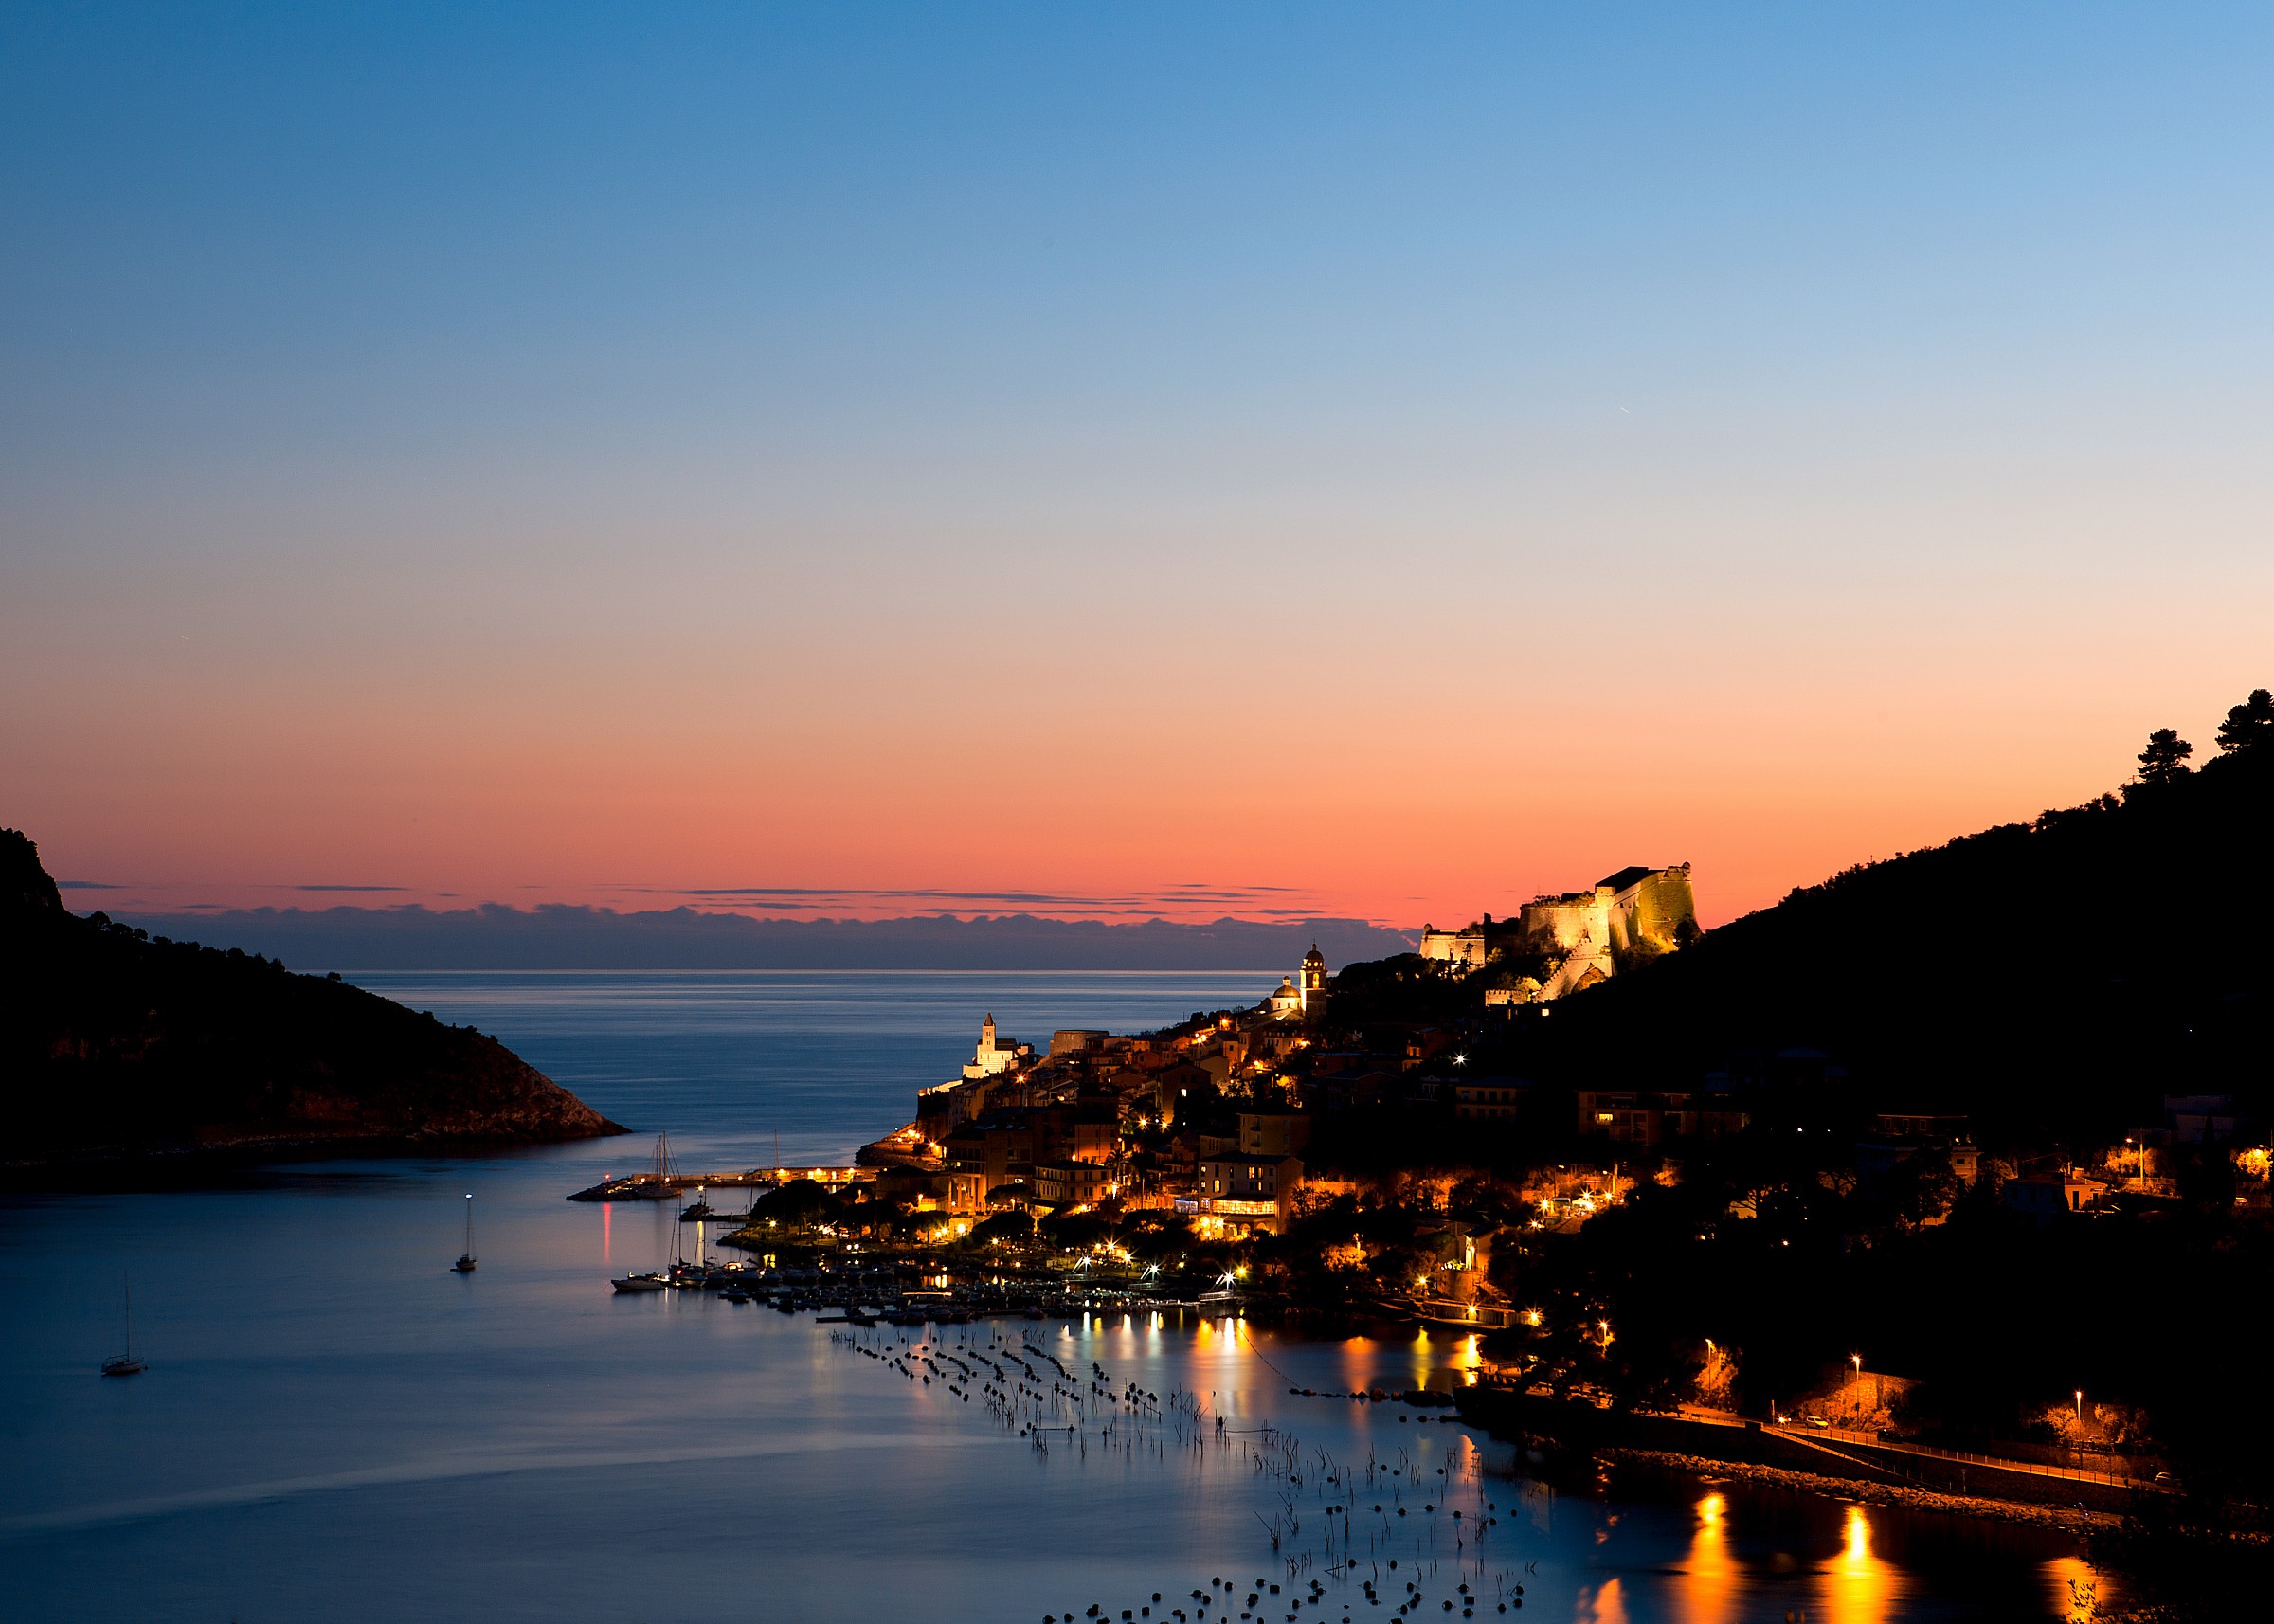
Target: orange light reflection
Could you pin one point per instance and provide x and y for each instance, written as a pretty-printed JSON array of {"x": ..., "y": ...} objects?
[
  {"x": 1605, "y": 1605},
  {"x": 1710, "y": 1576},
  {"x": 1856, "y": 1586}
]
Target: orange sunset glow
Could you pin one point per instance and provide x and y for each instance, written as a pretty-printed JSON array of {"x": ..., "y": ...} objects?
[{"x": 1151, "y": 771}]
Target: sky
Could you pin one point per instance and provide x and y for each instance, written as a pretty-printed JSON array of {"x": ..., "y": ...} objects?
[{"x": 1185, "y": 459}]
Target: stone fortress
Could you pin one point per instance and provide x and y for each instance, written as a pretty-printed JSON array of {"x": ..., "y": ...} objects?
[{"x": 1583, "y": 933}]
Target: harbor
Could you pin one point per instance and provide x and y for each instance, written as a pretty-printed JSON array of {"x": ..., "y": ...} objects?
[{"x": 383, "y": 1392}]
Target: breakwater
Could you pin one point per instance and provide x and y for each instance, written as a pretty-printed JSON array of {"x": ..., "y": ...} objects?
[{"x": 1966, "y": 1482}]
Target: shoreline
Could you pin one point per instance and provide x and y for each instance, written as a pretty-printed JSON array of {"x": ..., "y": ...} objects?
[{"x": 2069, "y": 1519}]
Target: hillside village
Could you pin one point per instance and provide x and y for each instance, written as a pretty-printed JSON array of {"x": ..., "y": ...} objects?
[
  {"x": 1214, "y": 1120},
  {"x": 1654, "y": 1180},
  {"x": 1407, "y": 1075}
]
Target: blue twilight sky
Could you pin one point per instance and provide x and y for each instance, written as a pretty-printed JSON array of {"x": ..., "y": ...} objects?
[{"x": 552, "y": 449}]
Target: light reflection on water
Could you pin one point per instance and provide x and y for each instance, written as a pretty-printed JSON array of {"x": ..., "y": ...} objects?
[
  {"x": 335, "y": 1426},
  {"x": 1858, "y": 1588},
  {"x": 1711, "y": 1574},
  {"x": 1605, "y": 1603},
  {"x": 2071, "y": 1588}
]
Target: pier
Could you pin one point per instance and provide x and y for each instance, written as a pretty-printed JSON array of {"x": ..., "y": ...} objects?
[
  {"x": 662, "y": 1180},
  {"x": 664, "y": 1187}
]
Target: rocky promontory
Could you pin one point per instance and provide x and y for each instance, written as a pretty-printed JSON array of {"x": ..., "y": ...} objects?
[{"x": 117, "y": 1047}]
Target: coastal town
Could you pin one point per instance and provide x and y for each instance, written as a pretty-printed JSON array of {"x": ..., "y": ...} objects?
[
  {"x": 1136, "y": 814},
  {"x": 1391, "y": 1144}
]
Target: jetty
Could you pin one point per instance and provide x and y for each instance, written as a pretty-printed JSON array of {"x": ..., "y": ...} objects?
[
  {"x": 870, "y": 1294},
  {"x": 663, "y": 1179}
]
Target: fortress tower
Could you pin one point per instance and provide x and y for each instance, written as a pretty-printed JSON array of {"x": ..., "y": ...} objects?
[{"x": 1633, "y": 907}]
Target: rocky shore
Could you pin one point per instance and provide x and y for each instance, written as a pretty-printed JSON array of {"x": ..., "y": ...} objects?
[{"x": 2072, "y": 1519}]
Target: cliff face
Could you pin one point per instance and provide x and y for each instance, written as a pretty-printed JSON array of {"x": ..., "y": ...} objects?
[{"x": 112, "y": 1044}]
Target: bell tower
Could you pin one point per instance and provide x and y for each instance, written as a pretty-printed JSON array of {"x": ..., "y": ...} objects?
[{"x": 1313, "y": 982}]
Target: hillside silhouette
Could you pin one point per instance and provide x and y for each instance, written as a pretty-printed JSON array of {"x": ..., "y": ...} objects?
[
  {"x": 2059, "y": 975},
  {"x": 114, "y": 1044}
]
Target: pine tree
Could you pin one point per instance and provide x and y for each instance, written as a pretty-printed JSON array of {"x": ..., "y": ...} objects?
[
  {"x": 2165, "y": 758},
  {"x": 2250, "y": 726}
]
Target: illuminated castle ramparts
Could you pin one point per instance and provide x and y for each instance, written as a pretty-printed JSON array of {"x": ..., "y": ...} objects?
[{"x": 1584, "y": 933}]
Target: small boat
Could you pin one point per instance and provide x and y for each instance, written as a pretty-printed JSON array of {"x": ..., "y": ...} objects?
[
  {"x": 466, "y": 1260},
  {"x": 640, "y": 1283},
  {"x": 126, "y": 1364}
]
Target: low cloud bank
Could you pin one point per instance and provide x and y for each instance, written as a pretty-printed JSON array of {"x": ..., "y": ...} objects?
[{"x": 574, "y": 938}]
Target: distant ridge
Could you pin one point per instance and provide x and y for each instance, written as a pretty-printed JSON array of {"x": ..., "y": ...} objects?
[{"x": 559, "y": 937}]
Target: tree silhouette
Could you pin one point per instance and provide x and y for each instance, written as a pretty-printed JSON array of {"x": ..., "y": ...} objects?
[
  {"x": 2250, "y": 726},
  {"x": 2165, "y": 758},
  {"x": 800, "y": 1203}
]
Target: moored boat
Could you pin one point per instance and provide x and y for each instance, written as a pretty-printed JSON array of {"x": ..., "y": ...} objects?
[
  {"x": 126, "y": 1364},
  {"x": 466, "y": 1260}
]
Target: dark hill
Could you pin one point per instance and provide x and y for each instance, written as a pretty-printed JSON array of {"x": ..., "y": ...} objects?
[
  {"x": 112, "y": 1044},
  {"x": 2056, "y": 975}
]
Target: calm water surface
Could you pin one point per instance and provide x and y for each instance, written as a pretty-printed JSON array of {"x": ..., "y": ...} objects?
[{"x": 333, "y": 1426}]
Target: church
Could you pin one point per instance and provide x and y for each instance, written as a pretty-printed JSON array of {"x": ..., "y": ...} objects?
[
  {"x": 993, "y": 1056},
  {"x": 1302, "y": 992}
]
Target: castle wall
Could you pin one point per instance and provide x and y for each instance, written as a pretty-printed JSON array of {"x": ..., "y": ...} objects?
[
  {"x": 1663, "y": 904},
  {"x": 1454, "y": 946},
  {"x": 1573, "y": 921}
]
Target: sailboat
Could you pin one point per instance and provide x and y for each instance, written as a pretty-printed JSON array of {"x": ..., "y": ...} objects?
[
  {"x": 126, "y": 1364},
  {"x": 466, "y": 1259},
  {"x": 660, "y": 1279}
]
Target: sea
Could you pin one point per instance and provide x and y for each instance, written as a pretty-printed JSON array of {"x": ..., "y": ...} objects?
[{"x": 335, "y": 1426}]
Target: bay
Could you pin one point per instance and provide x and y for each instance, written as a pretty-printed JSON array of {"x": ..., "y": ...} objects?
[{"x": 335, "y": 1426}]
